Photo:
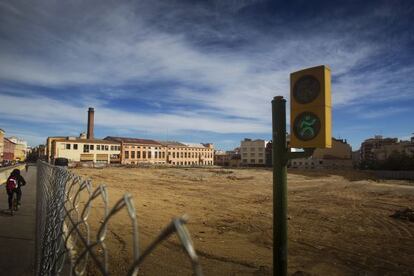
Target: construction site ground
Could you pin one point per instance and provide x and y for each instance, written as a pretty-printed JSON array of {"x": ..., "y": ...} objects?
[{"x": 339, "y": 222}]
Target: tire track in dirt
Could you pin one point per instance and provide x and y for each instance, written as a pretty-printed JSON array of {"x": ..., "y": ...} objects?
[
  {"x": 200, "y": 253},
  {"x": 178, "y": 248},
  {"x": 404, "y": 232}
]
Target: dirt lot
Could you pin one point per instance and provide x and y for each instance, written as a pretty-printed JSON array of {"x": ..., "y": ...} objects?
[{"x": 339, "y": 224}]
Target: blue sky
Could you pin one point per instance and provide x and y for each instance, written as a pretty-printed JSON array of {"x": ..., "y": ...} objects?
[{"x": 200, "y": 71}]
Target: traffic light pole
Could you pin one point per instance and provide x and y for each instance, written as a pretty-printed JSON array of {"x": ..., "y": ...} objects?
[{"x": 280, "y": 156}]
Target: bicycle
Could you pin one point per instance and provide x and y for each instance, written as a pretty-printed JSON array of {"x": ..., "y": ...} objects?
[{"x": 15, "y": 206}]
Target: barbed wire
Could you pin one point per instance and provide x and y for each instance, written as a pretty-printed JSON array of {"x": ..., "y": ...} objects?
[{"x": 64, "y": 244}]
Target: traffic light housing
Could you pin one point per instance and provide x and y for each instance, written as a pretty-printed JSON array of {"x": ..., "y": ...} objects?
[{"x": 310, "y": 108}]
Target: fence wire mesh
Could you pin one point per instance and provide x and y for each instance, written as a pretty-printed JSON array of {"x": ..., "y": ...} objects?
[{"x": 65, "y": 244}]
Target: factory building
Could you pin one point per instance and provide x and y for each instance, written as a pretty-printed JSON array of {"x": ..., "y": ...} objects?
[
  {"x": 137, "y": 151},
  {"x": 76, "y": 149},
  {"x": 124, "y": 150},
  {"x": 188, "y": 154}
]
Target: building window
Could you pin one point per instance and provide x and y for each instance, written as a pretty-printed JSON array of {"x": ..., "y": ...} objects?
[
  {"x": 260, "y": 160},
  {"x": 75, "y": 146},
  {"x": 98, "y": 147},
  {"x": 85, "y": 148},
  {"x": 149, "y": 155},
  {"x": 244, "y": 160},
  {"x": 163, "y": 154},
  {"x": 132, "y": 154},
  {"x": 144, "y": 154},
  {"x": 126, "y": 154},
  {"x": 91, "y": 147},
  {"x": 106, "y": 147},
  {"x": 252, "y": 161},
  {"x": 138, "y": 154},
  {"x": 173, "y": 154},
  {"x": 155, "y": 155},
  {"x": 68, "y": 146}
]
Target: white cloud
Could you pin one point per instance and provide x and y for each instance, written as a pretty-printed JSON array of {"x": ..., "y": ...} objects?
[{"x": 45, "y": 110}]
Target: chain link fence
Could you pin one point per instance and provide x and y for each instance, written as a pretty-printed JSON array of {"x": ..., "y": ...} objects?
[{"x": 64, "y": 241}]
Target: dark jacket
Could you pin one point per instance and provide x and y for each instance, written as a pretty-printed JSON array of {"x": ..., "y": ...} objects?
[{"x": 20, "y": 180}]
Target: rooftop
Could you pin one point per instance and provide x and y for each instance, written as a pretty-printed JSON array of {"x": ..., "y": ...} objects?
[
  {"x": 171, "y": 143},
  {"x": 194, "y": 145},
  {"x": 132, "y": 140},
  {"x": 90, "y": 141}
]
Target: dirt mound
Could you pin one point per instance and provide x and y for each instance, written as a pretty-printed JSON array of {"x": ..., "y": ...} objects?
[{"x": 405, "y": 214}]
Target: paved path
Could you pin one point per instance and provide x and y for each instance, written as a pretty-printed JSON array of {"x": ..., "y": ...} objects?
[{"x": 17, "y": 233}]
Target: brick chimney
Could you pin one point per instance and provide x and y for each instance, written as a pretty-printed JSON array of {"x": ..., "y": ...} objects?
[{"x": 91, "y": 115}]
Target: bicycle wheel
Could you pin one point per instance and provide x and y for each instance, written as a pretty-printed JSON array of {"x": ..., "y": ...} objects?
[
  {"x": 15, "y": 205},
  {"x": 12, "y": 207}
]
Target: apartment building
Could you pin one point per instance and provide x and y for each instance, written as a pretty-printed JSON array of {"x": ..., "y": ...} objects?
[
  {"x": 20, "y": 150},
  {"x": 370, "y": 145},
  {"x": 1, "y": 145},
  {"x": 253, "y": 152},
  {"x": 76, "y": 149},
  {"x": 385, "y": 151},
  {"x": 137, "y": 151},
  {"x": 8, "y": 150}
]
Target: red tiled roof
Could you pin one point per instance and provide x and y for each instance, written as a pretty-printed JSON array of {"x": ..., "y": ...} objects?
[{"x": 132, "y": 140}]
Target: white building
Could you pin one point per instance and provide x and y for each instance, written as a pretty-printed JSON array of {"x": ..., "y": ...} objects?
[
  {"x": 86, "y": 150},
  {"x": 253, "y": 152}
]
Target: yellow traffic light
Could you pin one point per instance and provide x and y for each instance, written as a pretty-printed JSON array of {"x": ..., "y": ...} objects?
[{"x": 310, "y": 108}]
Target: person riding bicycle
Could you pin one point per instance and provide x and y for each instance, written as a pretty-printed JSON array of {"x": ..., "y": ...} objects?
[{"x": 13, "y": 185}]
